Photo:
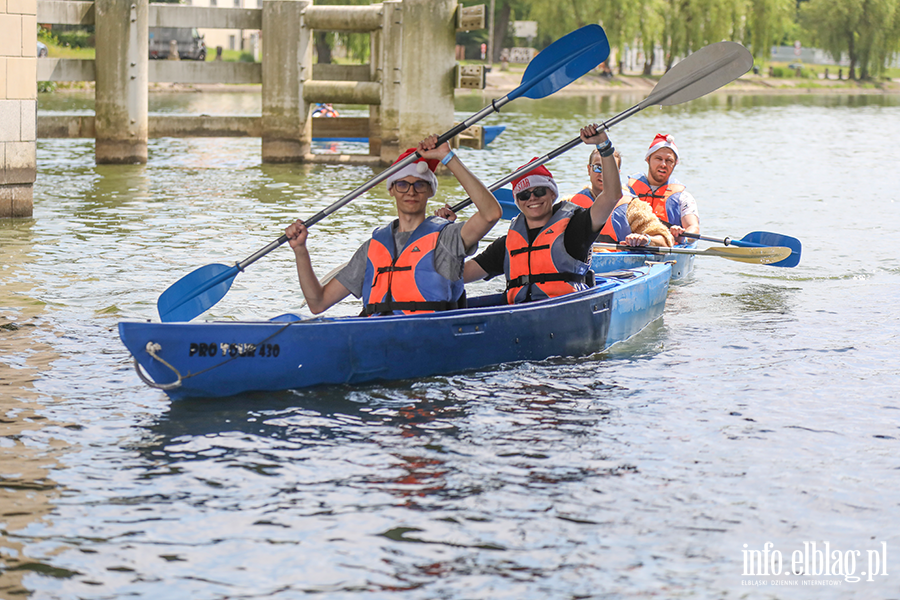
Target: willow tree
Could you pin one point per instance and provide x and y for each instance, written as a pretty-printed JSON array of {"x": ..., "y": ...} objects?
[
  {"x": 621, "y": 21},
  {"x": 556, "y": 19},
  {"x": 357, "y": 44},
  {"x": 767, "y": 21},
  {"x": 867, "y": 31}
]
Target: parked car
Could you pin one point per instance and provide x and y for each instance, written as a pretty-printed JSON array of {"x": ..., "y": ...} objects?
[
  {"x": 191, "y": 45},
  {"x": 42, "y": 50}
]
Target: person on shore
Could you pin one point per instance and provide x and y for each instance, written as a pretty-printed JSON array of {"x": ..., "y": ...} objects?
[
  {"x": 671, "y": 202},
  {"x": 546, "y": 252},
  {"x": 415, "y": 263}
]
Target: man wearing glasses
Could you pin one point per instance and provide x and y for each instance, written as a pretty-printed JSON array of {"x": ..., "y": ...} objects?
[
  {"x": 414, "y": 264},
  {"x": 671, "y": 202},
  {"x": 547, "y": 250}
]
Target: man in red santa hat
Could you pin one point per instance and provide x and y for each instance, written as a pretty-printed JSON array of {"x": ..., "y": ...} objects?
[
  {"x": 548, "y": 248},
  {"x": 671, "y": 202},
  {"x": 414, "y": 264}
]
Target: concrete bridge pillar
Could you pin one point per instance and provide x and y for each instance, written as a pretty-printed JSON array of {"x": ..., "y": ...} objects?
[
  {"x": 417, "y": 64},
  {"x": 429, "y": 61},
  {"x": 121, "y": 66},
  {"x": 286, "y": 65},
  {"x": 18, "y": 106}
]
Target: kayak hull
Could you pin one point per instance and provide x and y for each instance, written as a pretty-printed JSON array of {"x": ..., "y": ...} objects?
[
  {"x": 225, "y": 358},
  {"x": 607, "y": 262}
]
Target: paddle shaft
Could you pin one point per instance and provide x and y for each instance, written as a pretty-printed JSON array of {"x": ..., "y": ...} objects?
[
  {"x": 764, "y": 255},
  {"x": 726, "y": 241},
  {"x": 494, "y": 106},
  {"x": 532, "y": 79},
  {"x": 700, "y": 73},
  {"x": 567, "y": 59}
]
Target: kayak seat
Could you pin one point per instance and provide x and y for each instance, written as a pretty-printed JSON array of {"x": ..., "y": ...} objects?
[
  {"x": 498, "y": 299},
  {"x": 286, "y": 318},
  {"x": 624, "y": 274}
]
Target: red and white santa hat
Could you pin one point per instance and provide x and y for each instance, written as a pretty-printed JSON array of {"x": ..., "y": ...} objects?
[
  {"x": 539, "y": 176},
  {"x": 421, "y": 168},
  {"x": 662, "y": 141}
]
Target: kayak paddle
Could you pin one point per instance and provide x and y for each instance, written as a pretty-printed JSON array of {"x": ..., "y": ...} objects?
[
  {"x": 763, "y": 255},
  {"x": 555, "y": 67},
  {"x": 756, "y": 240},
  {"x": 702, "y": 72}
]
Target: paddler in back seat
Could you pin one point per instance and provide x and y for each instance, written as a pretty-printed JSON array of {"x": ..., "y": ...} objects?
[
  {"x": 671, "y": 202},
  {"x": 414, "y": 264},
  {"x": 546, "y": 252},
  {"x": 617, "y": 228}
]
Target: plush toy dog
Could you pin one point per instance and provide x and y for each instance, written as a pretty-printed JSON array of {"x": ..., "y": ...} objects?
[{"x": 642, "y": 220}]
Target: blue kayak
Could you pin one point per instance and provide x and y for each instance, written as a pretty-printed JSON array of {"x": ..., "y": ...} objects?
[
  {"x": 289, "y": 352},
  {"x": 604, "y": 262}
]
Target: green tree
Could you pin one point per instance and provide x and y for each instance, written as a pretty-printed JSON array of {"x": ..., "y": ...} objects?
[
  {"x": 867, "y": 31},
  {"x": 357, "y": 44},
  {"x": 766, "y": 24}
]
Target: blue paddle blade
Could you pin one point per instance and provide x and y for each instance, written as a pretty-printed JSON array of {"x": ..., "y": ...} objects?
[
  {"x": 507, "y": 202},
  {"x": 564, "y": 61},
  {"x": 195, "y": 293},
  {"x": 767, "y": 238}
]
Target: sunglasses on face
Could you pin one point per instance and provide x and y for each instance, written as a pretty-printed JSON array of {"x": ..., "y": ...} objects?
[
  {"x": 419, "y": 186},
  {"x": 539, "y": 192},
  {"x": 597, "y": 168}
]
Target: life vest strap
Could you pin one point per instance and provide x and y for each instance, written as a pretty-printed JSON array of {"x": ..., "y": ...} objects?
[
  {"x": 392, "y": 269},
  {"x": 391, "y": 306},
  {"x": 528, "y": 249},
  {"x": 524, "y": 280}
]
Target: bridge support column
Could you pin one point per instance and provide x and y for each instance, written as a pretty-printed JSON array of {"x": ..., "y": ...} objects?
[
  {"x": 287, "y": 63},
  {"x": 18, "y": 107},
  {"x": 121, "y": 66},
  {"x": 429, "y": 61}
]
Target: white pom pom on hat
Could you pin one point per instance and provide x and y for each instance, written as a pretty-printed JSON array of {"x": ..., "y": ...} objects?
[{"x": 662, "y": 141}]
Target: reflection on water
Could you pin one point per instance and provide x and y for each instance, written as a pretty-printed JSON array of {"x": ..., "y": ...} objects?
[
  {"x": 761, "y": 408},
  {"x": 27, "y": 489}
]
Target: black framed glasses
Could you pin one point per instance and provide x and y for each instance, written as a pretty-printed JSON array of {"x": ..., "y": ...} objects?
[
  {"x": 597, "y": 168},
  {"x": 420, "y": 186},
  {"x": 539, "y": 192}
]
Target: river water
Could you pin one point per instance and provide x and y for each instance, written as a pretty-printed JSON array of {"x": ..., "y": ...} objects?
[{"x": 763, "y": 407}]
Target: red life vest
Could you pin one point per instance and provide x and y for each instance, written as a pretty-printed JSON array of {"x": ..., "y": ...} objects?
[
  {"x": 407, "y": 282},
  {"x": 543, "y": 268},
  {"x": 640, "y": 186}
]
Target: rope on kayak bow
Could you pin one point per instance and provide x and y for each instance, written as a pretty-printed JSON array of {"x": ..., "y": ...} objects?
[{"x": 152, "y": 348}]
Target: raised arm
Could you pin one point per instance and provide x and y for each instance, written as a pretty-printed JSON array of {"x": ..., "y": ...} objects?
[
  {"x": 606, "y": 201},
  {"x": 489, "y": 211},
  {"x": 319, "y": 298}
]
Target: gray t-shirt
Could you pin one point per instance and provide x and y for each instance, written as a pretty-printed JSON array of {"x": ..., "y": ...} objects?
[{"x": 449, "y": 255}]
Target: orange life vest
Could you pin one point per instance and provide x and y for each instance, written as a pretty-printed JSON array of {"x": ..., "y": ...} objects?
[
  {"x": 543, "y": 268},
  {"x": 640, "y": 187},
  {"x": 407, "y": 282}
]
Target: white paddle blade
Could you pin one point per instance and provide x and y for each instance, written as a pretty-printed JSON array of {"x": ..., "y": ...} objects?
[{"x": 702, "y": 72}]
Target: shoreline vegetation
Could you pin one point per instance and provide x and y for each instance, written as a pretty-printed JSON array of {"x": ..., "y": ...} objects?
[{"x": 502, "y": 79}]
